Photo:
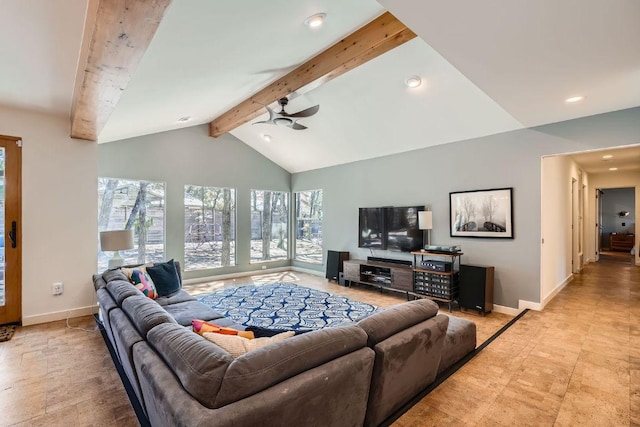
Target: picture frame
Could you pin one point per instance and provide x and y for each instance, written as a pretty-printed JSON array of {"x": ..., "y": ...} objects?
[{"x": 482, "y": 213}]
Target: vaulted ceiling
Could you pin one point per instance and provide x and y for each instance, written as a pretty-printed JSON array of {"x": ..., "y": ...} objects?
[{"x": 485, "y": 69}]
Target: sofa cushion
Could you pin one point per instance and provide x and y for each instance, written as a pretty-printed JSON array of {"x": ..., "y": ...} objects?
[
  {"x": 382, "y": 324},
  {"x": 140, "y": 278},
  {"x": 165, "y": 277},
  {"x": 199, "y": 364},
  {"x": 185, "y": 312},
  {"x": 145, "y": 313},
  {"x": 264, "y": 367},
  {"x": 237, "y": 345},
  {"x": 180, "y": 296},
  {"x": 121, "y": 289}
]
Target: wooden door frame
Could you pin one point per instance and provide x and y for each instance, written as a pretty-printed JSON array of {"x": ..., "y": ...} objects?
[{"x": 14, "y": 145}]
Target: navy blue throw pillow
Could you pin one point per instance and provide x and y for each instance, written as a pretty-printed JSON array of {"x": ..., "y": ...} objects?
[{"x": 165, "y": 277}]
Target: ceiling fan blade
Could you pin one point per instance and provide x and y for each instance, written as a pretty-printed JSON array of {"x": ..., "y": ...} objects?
[
  {"x": 298, "y": 126},
  {"x": 305, "y": 113},
  {"x": 272, "y": 114},
  {"x": 266, "y": 122}
]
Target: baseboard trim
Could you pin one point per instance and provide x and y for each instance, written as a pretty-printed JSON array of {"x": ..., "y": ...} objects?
[
  {"x": 306, "y": 270},
  {"x": 523, "y": 305},
  {"x": 59, "y": 315},
  {"x": 557, "y": 290},
  {"x": 234, "y": 275},
  {"x": 505, "y": 310}
]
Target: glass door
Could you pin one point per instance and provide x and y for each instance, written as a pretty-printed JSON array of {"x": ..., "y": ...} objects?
[{"x": 10, "y": 230}]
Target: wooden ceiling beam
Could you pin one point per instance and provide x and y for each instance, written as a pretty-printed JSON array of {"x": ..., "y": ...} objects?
[
  {"x": 117, "y": 33},
  {"x": 375, "y": 38}
]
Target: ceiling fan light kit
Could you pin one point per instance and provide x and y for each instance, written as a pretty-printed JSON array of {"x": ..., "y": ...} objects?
[{"x": 282, "y": 118}]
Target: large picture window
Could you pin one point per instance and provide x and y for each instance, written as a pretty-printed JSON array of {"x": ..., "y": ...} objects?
[
  {"x": 210, "y": 227},
  {"x": 139, "y": 205},
  {"x": 309, "y": 226},
  {"x": 269, "y": 225}
]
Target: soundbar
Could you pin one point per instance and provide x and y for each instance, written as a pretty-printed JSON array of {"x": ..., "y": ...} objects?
[{"x": 389, "y": 260}]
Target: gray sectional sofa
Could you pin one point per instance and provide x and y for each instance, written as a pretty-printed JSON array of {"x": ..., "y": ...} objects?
[{"x": 353, "y": 375}]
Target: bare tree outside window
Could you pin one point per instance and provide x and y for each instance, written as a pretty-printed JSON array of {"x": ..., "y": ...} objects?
[
  {"x": 139, "y": 205},
  {"x": 269, "y": 225},
  {"x": 210, "y": 232},
  {"x": 309, "y": 226}
]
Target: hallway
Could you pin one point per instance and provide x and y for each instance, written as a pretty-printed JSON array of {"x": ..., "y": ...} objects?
[{"x": 577, "y": 362}]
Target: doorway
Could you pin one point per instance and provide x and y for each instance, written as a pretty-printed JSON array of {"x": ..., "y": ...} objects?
[
  {"x": 10, "y": 230},
  {"x": 618, "y": 223}
]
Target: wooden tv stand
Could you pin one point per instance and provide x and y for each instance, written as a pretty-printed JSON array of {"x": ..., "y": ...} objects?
[{"x": 391, "y": 276}]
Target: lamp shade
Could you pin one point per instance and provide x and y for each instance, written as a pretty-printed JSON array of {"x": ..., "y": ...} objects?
[
  {"x": 425, "y": 220},
  {"x": 116, "y": 240}
]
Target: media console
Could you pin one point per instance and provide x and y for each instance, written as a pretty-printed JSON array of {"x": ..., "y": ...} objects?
[{"x": 383, "y": 273}]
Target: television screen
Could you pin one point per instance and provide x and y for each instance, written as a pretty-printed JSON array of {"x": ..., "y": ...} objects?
[
  {"x": 371, "y": 228},
  {"x": 402, "y": 232}
]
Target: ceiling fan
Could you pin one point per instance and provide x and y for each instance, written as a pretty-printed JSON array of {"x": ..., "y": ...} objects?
[{"x": 282, "y": 118}]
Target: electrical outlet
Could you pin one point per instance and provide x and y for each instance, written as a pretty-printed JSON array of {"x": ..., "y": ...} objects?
[
  {"x": 57, "y": 288},
  {"x": 264, "y": 267}
]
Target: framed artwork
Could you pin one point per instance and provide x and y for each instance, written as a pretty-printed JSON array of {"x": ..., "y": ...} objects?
[{"x": 482, "y": 213}]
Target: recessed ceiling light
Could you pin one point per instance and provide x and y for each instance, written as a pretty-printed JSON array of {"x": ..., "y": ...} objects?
[
  {"x": 266, "y": 138},
  {"x": 607, "y": 157},
  {"x": 315, "y": 21},
  {"x": 613, "y": 169},
  {"x": 184, "y": 119},
  {"x": 413, "y": 82},
  {"x": 574, "y": 99}
]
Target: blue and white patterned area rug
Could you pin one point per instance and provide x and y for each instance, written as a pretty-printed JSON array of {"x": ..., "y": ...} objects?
[{"x": 273, "y": 308}]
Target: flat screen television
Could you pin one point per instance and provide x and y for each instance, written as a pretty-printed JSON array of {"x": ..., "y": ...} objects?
[
  {"x": 401, "y": 226},
  {"x": 371, "y": 228},
  {"x": 390, "y": 228}
]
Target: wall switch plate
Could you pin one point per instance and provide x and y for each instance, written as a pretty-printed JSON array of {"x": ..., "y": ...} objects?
[
  {"x": 57, "y": 288},
  {"x": 264, "y": 267}
]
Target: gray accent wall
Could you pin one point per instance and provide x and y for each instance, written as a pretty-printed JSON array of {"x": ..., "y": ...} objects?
[
  {"x": 190, "y": 157},
  {"x": 426, "y": 176}
]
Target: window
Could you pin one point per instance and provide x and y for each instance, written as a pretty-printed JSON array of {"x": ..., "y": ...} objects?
[
  {"x": 139, "y": 205},
  {"x": 309, "y": 226},
  {"x": 210, "y": 229},
  {"x": 269, "y": 225}
]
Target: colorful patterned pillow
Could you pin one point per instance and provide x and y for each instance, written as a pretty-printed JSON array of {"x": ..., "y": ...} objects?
[
  {"x": 236, "y": 346},
  {"x": 200, "y": 327},
  {"x": 139, "y": 277}
]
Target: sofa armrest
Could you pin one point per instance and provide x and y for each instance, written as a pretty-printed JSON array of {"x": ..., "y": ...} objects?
[
  {"x": 381, "y": 325},
  {"x": 406, "y": 363}
]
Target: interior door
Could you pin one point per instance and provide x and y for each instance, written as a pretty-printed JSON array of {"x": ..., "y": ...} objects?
[{"x": 10, "y": 230}]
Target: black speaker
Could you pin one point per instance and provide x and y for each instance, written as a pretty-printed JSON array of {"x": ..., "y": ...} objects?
[
  {"x": 341, "y": 280},
  {"x": 475, "y": 292},
  {"x": 334, "y": 264}
]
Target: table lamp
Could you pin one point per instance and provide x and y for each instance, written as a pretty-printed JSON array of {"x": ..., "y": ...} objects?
[
  {"x": 425, "y": 222},
  {"x": 116, "y": 241}
]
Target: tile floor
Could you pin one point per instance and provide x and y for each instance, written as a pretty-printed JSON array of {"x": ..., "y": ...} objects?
[{"x": 575, "y": 363}]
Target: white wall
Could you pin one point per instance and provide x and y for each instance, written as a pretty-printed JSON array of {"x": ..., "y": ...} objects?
[
  {"x": 611, "y": 180},
  {"x": 557, "y": 205},
  {"x": 59, "y": 209}
]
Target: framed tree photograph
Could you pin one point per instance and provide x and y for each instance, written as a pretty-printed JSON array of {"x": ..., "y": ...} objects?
[{"x": 482, "y": 213}]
